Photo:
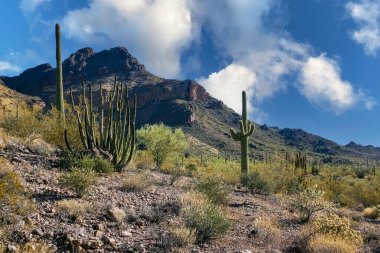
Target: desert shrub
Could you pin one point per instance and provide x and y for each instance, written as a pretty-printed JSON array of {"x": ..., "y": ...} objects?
[
  {"x": 228, "y": 172},
  {"x": 202, "y": 217},
  {"x": 255, "y": 183},
  {"x": 337, "y": 227},
  {"x": 71, "y": 209},
  {"x": 25, "y": 126},
  {"x": 372, "y": 212},
  {"x": 13, "y": 198},
  {"x": 310, "y": 201},
  {"x": 161, "y": 141},
  {"x": 53, "y": 132},
  {"x": 80, "y": 160},
  {"x": 103, "y": 165},
  {"x": 330, "y": 244},
  {"x": 143, "y": 160},
  {"x": 266, "y": 229},
  {"x": 367, "y": 191},
  {"x": 360, "y": 171},
  {"x": 79, "y": 180},
  {"x": 191, "y": 168},
  {"x": 177, "y": 237},
  {"x": 135, "y": 183},
  {"x": 214, "y": 189}
]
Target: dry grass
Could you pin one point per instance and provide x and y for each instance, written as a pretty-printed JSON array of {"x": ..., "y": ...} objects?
[
  {"x": 267, "y": 229},
  {"x": 372, "y": 212},
  {"x": 72, "y": 209},
  {"x": 136, "y": 182},
  {"x": 331, "y": 244}
]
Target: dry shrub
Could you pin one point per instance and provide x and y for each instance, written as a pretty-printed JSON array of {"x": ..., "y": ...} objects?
[
  {"x": 72, "y": 209},
  {"x": 177, "y": 237},
  {"x": 35, "y": 247},
  {"x": 310, "y": 201},
  {"x": 266, "y": 229},
  {"x": 330, "y": 244},
  {"x": 372, "y": 212},
  {"x": 135, "y": 183},
  {"x": 13, "y": 198},
  {"x": 214, "y": 189},
  {"x": 336, "y": 227},
  {"x": 203, "y": 218},
  {"x": 79, "y": 180},
  {"x": 143, "y": 161}
]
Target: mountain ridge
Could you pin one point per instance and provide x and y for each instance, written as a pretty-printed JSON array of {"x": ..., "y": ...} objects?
[{"x": 179, "y": 103}]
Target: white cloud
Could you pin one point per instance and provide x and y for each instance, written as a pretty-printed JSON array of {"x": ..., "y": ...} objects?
[
  {"x": 8, "y": 67},
  {"x": 321, "y": 84},
  {"x": 237, "y": 76},
  {"x": 366, "y": 14},
  {"x": 29, "y": 6},
  {"x": 155, "y": 31}
]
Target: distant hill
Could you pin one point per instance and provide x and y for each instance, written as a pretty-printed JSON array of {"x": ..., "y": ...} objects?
[
  {"x": 179, "y": 103},
  {"x": 10, "y": 100}
]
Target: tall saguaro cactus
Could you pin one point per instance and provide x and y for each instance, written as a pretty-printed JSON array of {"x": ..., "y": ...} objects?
[
  {"x": 246, "y": 130},
  {"x": 60, "y": 104}
]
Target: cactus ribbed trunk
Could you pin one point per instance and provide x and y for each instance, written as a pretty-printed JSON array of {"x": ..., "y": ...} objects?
[
  {"x": 60, "y": 104},
  {"x": 113, "y": 135},
  {"x": 246, "y": 130}
]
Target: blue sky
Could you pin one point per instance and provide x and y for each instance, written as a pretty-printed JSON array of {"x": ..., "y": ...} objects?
[{"x": 310, "y": 64}]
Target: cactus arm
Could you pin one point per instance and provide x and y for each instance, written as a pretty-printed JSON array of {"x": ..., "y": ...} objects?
[{"x": 235, "y": 136}]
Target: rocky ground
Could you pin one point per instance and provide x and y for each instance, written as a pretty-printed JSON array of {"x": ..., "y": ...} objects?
[{"x": 116, "y": 220}]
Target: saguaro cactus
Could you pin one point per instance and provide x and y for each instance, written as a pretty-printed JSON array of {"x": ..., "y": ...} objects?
[
  {"x": 246, "y": 130},
  {"x": 60, "y": 104},
  {"x": 112, "y": 136}
]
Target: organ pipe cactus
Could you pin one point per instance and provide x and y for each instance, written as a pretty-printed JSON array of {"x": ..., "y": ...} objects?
[
  {"x": 60, "y": 104},
  {"x": 111, "y": 136},
  {"x": 246, "y": 130}
]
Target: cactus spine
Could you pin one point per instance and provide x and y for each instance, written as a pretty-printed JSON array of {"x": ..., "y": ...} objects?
[
  {"x": 115, "y": 136},
  {"x": 246, "y": 130},
  {"x": 60, "y": 104}
]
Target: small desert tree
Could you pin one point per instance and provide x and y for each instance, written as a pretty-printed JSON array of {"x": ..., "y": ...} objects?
[{"x": 161, "y": 141}]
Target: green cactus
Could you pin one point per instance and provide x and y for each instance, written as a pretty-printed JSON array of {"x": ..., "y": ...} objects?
[
  {"x": 112, "y": 137},
  {"x": 246, "y": 130},
  {"x": 300, "y": 162},
  {"x": 60, "y": 104}
]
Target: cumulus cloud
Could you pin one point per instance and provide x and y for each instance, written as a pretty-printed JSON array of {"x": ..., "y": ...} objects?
[
  {"x": 321, "y": 83},
  {"x": 366, "y": 14},
  {"x": 29, "y": 6},
  {"x": 8, "y": 67},
  {"x": 237, "y": 76},
  {"x": 258, "y": 60},
  {"x": 155, "y": 31}
]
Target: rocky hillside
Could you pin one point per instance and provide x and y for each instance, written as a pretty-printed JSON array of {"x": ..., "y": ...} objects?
[
  {"x": 178, "y": 103},
  {"x": 10, "y": 100}
]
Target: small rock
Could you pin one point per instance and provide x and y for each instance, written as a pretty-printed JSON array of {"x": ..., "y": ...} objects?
[
  {"x": 108, "y": 240},
  {"x": 99, "y": 227},
  {"x": 11, "y": 248},
  {"x": 116, "y": 214},
  {"x": 38, "y": 232},
  {"x": 92, "y": 244},
  {"x": 125, "y": 233},
  {"x": 98, "y": 233}
]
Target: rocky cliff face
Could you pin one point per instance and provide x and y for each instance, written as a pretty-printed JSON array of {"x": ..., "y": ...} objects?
[{"x": 176, "y": 103}]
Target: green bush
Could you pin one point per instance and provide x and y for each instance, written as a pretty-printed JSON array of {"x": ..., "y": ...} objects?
[
  {"x": 203, "y": 218},
  {"x": 103, "y": 165},
  {"x": 76, "y": 159},
  {"x": 13, "y": 198},
  {"x": 255, "y": 183},
  {"x": 161, "y": 141},
  {"x": 310, "y": 201},
  {"x": 214, "y": 189},
  {"x": 79, "y": 180}
]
